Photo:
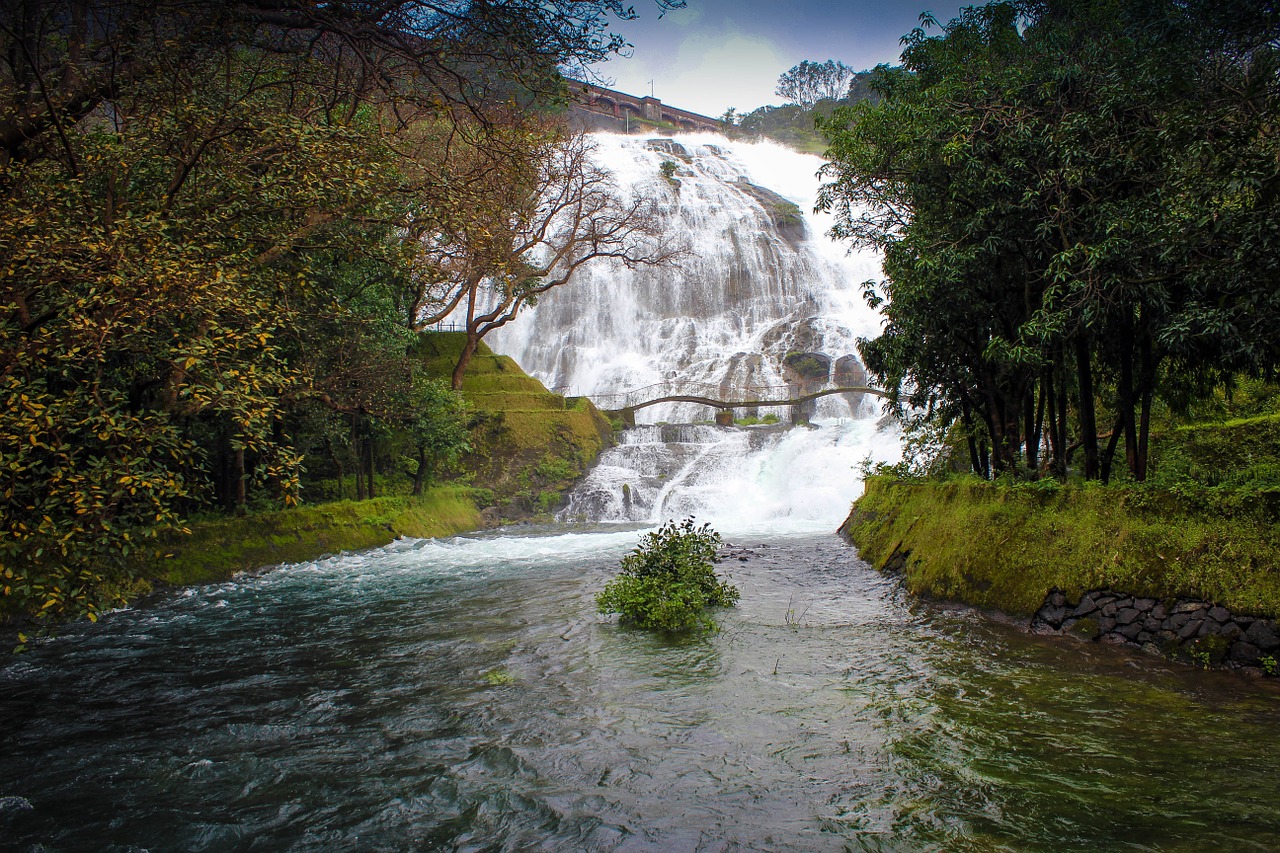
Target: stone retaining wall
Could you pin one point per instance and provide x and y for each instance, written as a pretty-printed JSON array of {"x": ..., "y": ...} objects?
[{"x": 1196, "y": 632}]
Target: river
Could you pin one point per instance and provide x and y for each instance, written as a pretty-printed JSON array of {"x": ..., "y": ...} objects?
[{"x": 463, "y": 695}]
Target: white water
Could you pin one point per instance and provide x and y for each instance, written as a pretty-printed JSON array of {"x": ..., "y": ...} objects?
[{"x": 747, "y": 294}]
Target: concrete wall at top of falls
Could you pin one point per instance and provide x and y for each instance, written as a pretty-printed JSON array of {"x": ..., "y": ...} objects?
[{"x": 755, "y": 286}]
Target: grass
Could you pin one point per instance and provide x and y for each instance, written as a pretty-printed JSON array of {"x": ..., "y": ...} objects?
[
  {"x": 219, "y": 548},
  {"x": 1005, "y": 547}
]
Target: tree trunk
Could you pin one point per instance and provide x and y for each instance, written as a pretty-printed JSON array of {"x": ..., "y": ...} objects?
[
  {"x": 1110, "y": 453},
  {"x": 1032, "y": 416},
  {"x": 357, "y": 450},
  {"x": 464, "y": 359},
  {"x": 420, "y": 476},
  {"x": 238, "y": 477},
  {"x": 1088, "y": 414},
  {"x": 369, "y": 453},
  {"x": 975, "y": 462},
  {"x": 1147, "y": 379}
]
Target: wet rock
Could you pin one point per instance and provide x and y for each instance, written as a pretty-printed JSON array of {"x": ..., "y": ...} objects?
[
  {"x": 1244, "y": 653},
  {"x": 1231, "y": 631},
  {"x": 1219, "y": 614},
  {"x": 1152, "y": 649},
  {"x": 1176, "y": 621},
  {"x": 1263, "y": 635},
  {"x": 1130, "y": 631},
  {"x": 849, "y": 371},
  {"x": 1106, "y": 623},
  {"x": 1144, "y": 604},
  {"x": 1114, "y": 639},
  {"x": 1127, "y": 615},
  {"x": 1054, "y": 615},
  {"x": 1085, "y": 607},
  {"x": 1190, "y": 607},
  {"x": 1151, "y": 624},
  {"x": 1159, "y": 611},
  {"x": 1109, "y": 609},
  {"x": 1166, "y": 638},
  {"x": 1190, "y": 629},
  {"x": 1057, "y": 599}
]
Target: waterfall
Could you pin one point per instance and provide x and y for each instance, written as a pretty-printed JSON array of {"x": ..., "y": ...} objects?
[{"x": 762, "y": 298}]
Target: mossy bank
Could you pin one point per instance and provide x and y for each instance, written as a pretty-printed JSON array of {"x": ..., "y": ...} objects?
[
  {"x": 1006, "y": 547},
  {"x": 1207, "y": 529}
]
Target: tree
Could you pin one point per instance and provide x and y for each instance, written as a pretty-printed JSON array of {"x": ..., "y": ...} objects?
[
  {"x": 200, "y": 204},
  {"x": 531, "y": 227},
  {"x": 810, "y": 82},
  {"x": 1027, "y": 177},
  {"x": 438, "y": 430}
]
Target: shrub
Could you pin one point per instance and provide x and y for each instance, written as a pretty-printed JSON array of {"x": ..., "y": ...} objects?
[{"x": 669, "y": 581}]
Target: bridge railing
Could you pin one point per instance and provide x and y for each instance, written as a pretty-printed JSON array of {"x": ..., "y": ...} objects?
[{"x": 764, "y": 394}]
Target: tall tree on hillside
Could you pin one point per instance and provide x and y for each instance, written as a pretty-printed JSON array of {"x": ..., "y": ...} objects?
[
  {"x": 810, "y": 82},
  {"x": 528, "y": 229}
]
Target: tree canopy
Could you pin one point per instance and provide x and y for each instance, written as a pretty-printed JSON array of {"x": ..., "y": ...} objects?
[
  {"x": 1076, "y": 200},
  {"x": 207, "y": 239}
]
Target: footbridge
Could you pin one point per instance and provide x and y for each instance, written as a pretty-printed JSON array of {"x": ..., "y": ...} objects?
[{"x": 724, "y": 398}]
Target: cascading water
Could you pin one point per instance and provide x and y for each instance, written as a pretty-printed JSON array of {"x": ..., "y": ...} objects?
[{"x": 763, "y": 298}]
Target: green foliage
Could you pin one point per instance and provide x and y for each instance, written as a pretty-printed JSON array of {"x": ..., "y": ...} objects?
[
  {"x": 669, "y": 581},
  {"x": 751, "y": 420},
  {"x": 205, "y": 294},
  {"x": 1069, "y": 201},
  {"x": 1005, "y": 546}
]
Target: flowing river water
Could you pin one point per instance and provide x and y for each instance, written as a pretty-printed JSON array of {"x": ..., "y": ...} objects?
[{"x": 463, "y": 694}]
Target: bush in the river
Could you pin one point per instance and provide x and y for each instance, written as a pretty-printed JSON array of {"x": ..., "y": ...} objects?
[{"x": 669, "y": 581}]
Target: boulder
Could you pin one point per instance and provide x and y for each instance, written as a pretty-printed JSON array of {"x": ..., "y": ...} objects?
[
  {"x": 1263, "y": 635},
  {"x": 1244, "y": 653}
]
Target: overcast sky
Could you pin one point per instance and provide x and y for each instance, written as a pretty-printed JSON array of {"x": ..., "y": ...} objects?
[{"x": 717, "y": 54}]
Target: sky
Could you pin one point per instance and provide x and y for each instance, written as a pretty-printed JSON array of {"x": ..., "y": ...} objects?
[{"x": 716, "y": 54}]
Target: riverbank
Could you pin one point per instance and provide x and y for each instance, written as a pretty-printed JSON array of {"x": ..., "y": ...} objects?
[
  {"x": 528, "y": 447},
  {"x": 1018, "y": 549}
]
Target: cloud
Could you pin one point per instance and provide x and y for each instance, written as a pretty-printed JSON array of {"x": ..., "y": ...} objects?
[{"x": 705, "y": 72}]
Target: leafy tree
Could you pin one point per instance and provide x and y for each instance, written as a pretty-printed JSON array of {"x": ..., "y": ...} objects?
[
  {"x": 669, "y": 581},
  {"x": 1026, "y": 176},
  {"x": 532, "y": 227},
  {"x": 810, "y": 82},
  {"x": 438, "y": 430},
  {"x": 199, "y": 239}
]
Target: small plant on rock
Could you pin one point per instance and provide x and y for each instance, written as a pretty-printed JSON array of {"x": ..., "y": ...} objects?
[{"x": 669, "y": 581}]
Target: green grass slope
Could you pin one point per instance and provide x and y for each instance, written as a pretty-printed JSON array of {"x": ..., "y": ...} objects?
[{"x": 1206, "y": 527}]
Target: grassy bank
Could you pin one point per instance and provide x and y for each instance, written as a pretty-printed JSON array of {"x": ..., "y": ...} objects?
[
  {"x": 218, "y": 548},
  {"x": 529, "y": 446},
  {"x": 1005, "y": 547}
]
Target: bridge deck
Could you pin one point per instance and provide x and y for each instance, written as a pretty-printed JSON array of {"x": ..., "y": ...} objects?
[{"x": 722, "y": 397}]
